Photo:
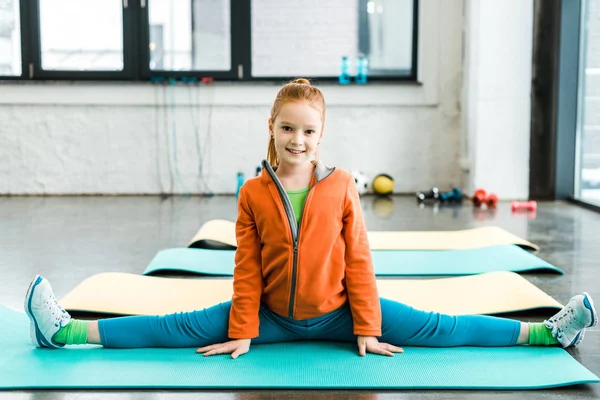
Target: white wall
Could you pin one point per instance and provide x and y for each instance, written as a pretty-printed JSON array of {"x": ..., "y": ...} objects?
[
  {"x": 497, "y": 104},
  {"x": 112, "y": 138}
]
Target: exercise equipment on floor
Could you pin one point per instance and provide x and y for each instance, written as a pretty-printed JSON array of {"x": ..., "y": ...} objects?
[
  {"x": 128, "y": 294},
  {"x": 524, "y": 205},
  {"x": 383, "y": 185},
  {"x": 482, "y": 198},
  {"x": 219, "y": 234},
  {"x": 314, "y": 365},
  {"x": 386, "y": 262},
  {"x": 526, "y": 208},
  {"x": 434, "y": 195},
  {"x": 362, "y": 182}
]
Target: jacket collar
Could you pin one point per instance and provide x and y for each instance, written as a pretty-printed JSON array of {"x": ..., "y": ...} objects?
[{"x": 321, "y": 171}]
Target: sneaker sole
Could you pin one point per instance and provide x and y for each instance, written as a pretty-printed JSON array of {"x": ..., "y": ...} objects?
[
  {"x": 38, "y": 339},
  {"x": 589, "y": 304},
  {"x": 578, "y": 338},
  {"x": 32, "y": 325}
]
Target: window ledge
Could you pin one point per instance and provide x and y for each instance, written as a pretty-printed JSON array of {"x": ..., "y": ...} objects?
[{"x": 218, "y": 94}]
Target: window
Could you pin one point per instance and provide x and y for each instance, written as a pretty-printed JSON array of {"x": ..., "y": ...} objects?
[
  {"x": 588, "y": 132},
  {"x": 386, "y": 36},
  {"x": 288, "y": 38},
  {"x": 222, "y": 39},
  {"x": 10, "y": 38},
  {"x": 81, "y": 35},
  {"x": 309, "y": 38},
  {"x": 190, "y": 35}
]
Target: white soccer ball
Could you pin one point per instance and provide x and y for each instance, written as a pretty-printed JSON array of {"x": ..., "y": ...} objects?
[{"x": 362, "y": 182}]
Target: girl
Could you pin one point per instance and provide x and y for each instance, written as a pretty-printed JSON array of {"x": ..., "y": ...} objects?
[{"x": 303, "y": 271}]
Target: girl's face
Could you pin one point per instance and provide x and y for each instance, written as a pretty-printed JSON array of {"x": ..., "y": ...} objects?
[{"x": 297, "y": 130}]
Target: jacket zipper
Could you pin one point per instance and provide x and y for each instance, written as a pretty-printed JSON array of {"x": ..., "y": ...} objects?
[
  {"x": 295, "y": 232},
  {"x": 295, "y": 260}
]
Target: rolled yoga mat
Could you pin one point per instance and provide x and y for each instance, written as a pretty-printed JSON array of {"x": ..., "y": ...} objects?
[
  {"x": 128, "y": 294},
  {"x": 219, "y": 234},
  {"x": 295, "y": 365},
  {"x": 504, "y": 257}
]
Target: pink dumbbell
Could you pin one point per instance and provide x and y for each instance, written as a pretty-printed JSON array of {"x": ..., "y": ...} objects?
[{"x": 524, "y": 205}]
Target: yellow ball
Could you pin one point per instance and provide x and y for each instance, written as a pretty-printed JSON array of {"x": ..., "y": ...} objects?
[{"x": 383, "y": 184}]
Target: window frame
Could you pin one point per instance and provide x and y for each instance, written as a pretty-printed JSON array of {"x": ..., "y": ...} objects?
[
  {"x": 129, "y": 43},
  {"x": 412, "y": 77},
  {"x": 23, "y": 16},
  {"x": 137, "y": 55},
  {"x": 237, "y": 32},
  {"x": 554, "y": 168}
]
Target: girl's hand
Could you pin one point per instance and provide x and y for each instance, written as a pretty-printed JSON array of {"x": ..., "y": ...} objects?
[
  {"x": 370, "y": 344},
  {"x": 233, "y": 347}
]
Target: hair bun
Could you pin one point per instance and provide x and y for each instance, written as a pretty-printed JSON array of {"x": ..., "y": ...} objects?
[{"x": 301, "y": 81}]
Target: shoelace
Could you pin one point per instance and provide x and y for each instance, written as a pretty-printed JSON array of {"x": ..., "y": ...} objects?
[
  {"x": 568, "y": 315},
  {"x": 53, "y": 306}
]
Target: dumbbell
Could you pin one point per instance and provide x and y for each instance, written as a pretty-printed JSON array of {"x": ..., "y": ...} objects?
[
  {"x": 491, "y": 200},
  {"x": 433, "y": 194},
  {"x": 454, "y": 195},
  {"x": 478, "y": 197},
  {"x": 524, "y": 205}
]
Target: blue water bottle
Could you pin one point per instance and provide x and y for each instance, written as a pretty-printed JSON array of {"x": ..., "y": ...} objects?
[
  {"x": 240, "y": 182},
  {"x": 344, "y": 78},
  {"x": 362, "y": 70}
]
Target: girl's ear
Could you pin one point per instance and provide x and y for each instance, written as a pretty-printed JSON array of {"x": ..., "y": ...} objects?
[{"x": 270, "y": 122}]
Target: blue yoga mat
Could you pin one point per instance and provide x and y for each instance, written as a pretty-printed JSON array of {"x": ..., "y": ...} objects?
[
  {"x": 386, "y": 262},
  {"x": 296, "y": 365}
]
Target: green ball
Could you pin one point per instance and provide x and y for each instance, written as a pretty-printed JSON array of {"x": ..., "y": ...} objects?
[{"x": 383, "y": 185}]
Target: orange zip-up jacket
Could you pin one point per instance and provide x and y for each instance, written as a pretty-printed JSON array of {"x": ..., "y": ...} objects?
[{"x": 303, "y": 270}]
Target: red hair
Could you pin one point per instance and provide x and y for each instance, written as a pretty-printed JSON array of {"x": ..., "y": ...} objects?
[{"x": 296, "y": 90}]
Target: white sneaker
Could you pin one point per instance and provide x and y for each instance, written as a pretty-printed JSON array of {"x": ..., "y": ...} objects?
[
  {"x": 45, "y": 314},
  {"x": 569, "y": 324}
]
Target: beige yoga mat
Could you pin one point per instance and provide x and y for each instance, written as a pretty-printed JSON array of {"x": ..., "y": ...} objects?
[
  {"x": 220, "y": 234},
  {"x": 129, "y": 294}
]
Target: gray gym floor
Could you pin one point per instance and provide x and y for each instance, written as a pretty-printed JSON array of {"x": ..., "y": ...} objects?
[{"x": 68, "y": 239}]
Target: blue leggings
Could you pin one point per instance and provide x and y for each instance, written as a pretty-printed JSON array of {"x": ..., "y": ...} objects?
[{"x": 402, "y": 325}]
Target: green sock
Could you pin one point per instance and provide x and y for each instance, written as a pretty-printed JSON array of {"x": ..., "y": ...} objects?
[
  {"x": 74, "y": 333},
  {"x": 539, "y": 335}
]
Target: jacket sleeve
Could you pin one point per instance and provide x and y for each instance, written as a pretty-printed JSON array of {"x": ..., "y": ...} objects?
[
  {"x": 247, "y": 274},
  {"x": 360, "y": 276}
]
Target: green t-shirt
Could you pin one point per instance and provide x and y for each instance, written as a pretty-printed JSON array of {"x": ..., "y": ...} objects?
[{"x": 297, "y": 198}]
